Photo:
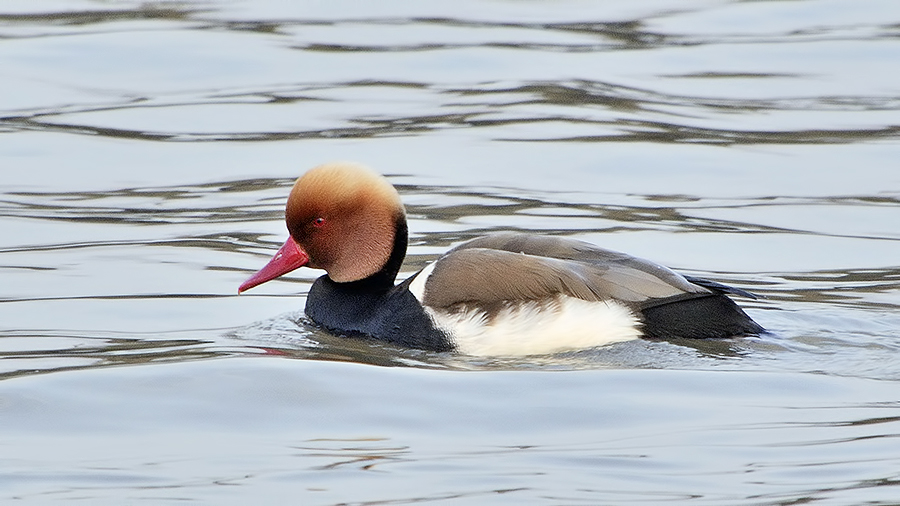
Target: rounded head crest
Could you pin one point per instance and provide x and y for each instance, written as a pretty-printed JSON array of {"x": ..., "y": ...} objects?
[{"x": 345, "y": 216}]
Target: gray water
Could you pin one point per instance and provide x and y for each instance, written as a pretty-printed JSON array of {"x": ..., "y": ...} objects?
[{"x": 148, "y": 148}]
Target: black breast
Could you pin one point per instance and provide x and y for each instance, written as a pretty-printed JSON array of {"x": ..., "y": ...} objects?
[{"x": 360, "y": 308}]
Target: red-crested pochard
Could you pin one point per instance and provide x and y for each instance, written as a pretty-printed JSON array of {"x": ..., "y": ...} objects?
[{"x": 504, "y": 294}]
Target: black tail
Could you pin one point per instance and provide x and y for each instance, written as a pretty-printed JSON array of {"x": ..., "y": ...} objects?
[{"x": 708, "y": 316}]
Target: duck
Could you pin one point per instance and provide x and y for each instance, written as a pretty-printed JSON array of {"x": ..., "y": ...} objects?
[{"x": 505, "y": 294}]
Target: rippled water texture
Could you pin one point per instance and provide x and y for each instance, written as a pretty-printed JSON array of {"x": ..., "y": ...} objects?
[{"x": 148, "y": 148}]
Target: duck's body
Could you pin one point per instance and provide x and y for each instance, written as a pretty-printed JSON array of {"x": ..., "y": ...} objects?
[{"x": 505, "y": 294}]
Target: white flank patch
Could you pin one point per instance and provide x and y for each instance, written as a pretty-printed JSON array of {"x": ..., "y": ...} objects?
[
  {"x": 534, "y": 328},
  {"x": 417, "y": 287}
]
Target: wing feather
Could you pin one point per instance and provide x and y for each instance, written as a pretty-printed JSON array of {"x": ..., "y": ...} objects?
[{"x": 514, "y": 267}]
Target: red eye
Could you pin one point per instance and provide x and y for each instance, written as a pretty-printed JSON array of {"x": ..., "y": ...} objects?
[{"x": 318, "y": 222}]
